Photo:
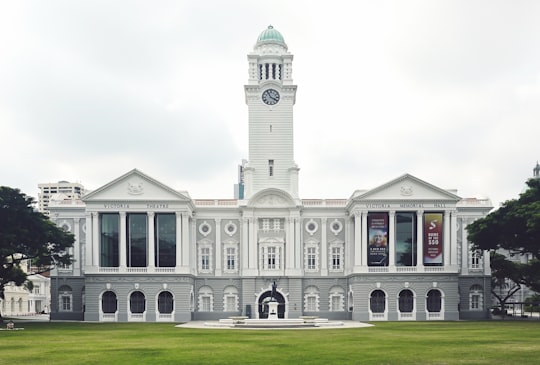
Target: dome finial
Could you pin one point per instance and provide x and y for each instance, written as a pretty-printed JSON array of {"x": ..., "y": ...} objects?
[{"x": 271, "y": 35}]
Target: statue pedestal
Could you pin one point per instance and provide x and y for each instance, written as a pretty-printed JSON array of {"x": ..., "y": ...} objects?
[{"x": 272, "y": 310}]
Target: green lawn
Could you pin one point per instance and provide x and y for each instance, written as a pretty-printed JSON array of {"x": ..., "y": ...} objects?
[{"x": 483, "y": 342}]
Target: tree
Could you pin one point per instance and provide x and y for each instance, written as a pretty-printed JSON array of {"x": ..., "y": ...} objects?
[
  {"x": 514, "y": 227},
  {"x": 505, "y": 278},
  {"x": 27, "y": 236}
]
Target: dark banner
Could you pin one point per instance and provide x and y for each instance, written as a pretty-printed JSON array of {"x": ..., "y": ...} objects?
[
  {"x": 378, "y": 239},
  {"x": 433, "y": 239}
]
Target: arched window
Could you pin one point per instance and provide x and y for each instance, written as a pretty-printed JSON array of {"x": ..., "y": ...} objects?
[
  {"x": 311, "y": 299},
  {"x": 65, "y": 298},
  {"x": 476, "y": 298},
  {"x": 109, "y": 302},
  {"x": 165, "y": 302},
  {"x": 406, "y": 301},
  {"x": 434, "y": 301},
  {"x": 137, "y": 302},
  {"x": 230, "y": 299},
  {"x": 377, "y": 301},
  {"x": 337, "y": 299},
  {"x": 206, "y": 299}
]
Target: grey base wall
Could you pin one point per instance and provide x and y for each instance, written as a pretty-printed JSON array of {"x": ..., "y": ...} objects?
[{"x": 357, "y": 289}]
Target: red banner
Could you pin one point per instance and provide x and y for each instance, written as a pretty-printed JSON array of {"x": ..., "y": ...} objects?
[{"x": 433, "y": 239}]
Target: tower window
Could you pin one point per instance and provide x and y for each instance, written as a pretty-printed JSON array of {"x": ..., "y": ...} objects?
[
  {"x": 271, "y": 167},
  {"x": 267, "y": 70},
  {"x": 273, "y": 71},
  {"x": 260, "y": 72}
]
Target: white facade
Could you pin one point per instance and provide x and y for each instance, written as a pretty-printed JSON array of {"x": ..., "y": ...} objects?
[{"x": 148, "y": 252}]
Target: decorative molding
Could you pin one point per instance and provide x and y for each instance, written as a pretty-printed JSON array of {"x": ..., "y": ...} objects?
[
  {"x": 406, "y": 190},
  {"x": 135, "y": 188}
]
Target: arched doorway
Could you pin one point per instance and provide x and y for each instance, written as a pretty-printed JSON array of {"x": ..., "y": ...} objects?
[{"x": 263, "y": 307}]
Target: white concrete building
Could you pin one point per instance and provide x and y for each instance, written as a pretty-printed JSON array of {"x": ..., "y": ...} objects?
[
  {"x": 148, "y": 252},
  {"x": 48, "y": 190}
]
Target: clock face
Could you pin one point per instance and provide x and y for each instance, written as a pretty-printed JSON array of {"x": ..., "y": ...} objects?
[{"x": 270, "y": 97}]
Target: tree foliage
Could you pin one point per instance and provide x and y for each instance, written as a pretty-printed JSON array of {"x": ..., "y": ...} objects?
[
  {"x": 28, "y": 236},
  {"x": 514, "y": 227},
  {"x": 505, "y": 278}
]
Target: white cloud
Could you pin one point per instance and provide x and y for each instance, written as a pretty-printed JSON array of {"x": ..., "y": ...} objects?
[{"x": 447, "y": 91}]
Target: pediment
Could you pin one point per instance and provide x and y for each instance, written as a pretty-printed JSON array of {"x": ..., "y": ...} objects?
[
  {"x": 272, "y": 198},
  {"x": 135, "y": 186},
  {"x": 407, "y": 187}
]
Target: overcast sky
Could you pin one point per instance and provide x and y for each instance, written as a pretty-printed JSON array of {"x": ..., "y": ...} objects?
[{"x": 448, "y": 91}]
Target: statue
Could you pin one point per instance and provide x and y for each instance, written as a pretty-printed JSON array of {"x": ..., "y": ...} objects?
[{"x": 273, "y": 295}]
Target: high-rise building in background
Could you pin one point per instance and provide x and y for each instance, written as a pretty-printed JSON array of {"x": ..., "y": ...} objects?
[{"x": 48, "y": 190}]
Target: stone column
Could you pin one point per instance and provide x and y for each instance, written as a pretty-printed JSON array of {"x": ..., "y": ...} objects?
[
  {"x": 185, "y": 242},
  {"x": 453, "y": 239},
  {"x": 95, "y": 240},
  {"x": 89, "y": 240},
  {"x": 253, "y": 227},
  {"x": 244, "y": 244},
  {"x": 446, "y": 239},
  {"x": 178, "y": 239},
  {"x": 123, "y": 241},
  {"x": 323, "y": 255},
  {"x": 77, "y": 247},
  {"x": 464, "y": 248},
  {"x": 420, "y": 240},
  {"x": 298, "y": 244},
  {"x": 391, "y": 238},
  {"x": 364, "y": 238},
  {"x": 358, "y": 253},
  {"x": 219, "y": 248},
  {"x": 150, "y": 263}
]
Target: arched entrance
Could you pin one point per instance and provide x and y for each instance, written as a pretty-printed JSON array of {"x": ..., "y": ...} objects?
[{"x": 263, "y": 307}]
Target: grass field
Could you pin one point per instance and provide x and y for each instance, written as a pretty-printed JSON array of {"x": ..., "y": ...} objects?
[{"x": 485, "y": 342}]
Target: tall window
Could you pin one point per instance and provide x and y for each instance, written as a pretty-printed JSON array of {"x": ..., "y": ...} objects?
[
  {"x": 136, "y": 240},
  {"x": 434, "y": 301},
  {"x": 230, "y": 259},
  {"x": 266, "y": 224},
  {"x": 336, "y": 257},
  {"x": 65, "y": 297},
  {"x": 311, "y": 257},
  {"x": 165, "y": 302},
  {"x": 205, "y": 258},
  {"x": 109, "y": 302},
  {"x": 270, "y": 167},
  {"x": 165, "y": 240},
  {"x": 271, "y": 258},
  {"x": 406, "y": 250},
  {"x": 109, "y": 240},
  {"x": 476, "y": 298},
  {"x": 137, "y": 302},
  {"x": 476, "y": 260},
  {"x": 377, "y": 302}
]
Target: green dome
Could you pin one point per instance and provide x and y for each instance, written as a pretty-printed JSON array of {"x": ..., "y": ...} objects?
[{"x": 270, "y": 35}]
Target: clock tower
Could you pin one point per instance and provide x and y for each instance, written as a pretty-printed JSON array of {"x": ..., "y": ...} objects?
[{"x": 270, "y": 96}]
